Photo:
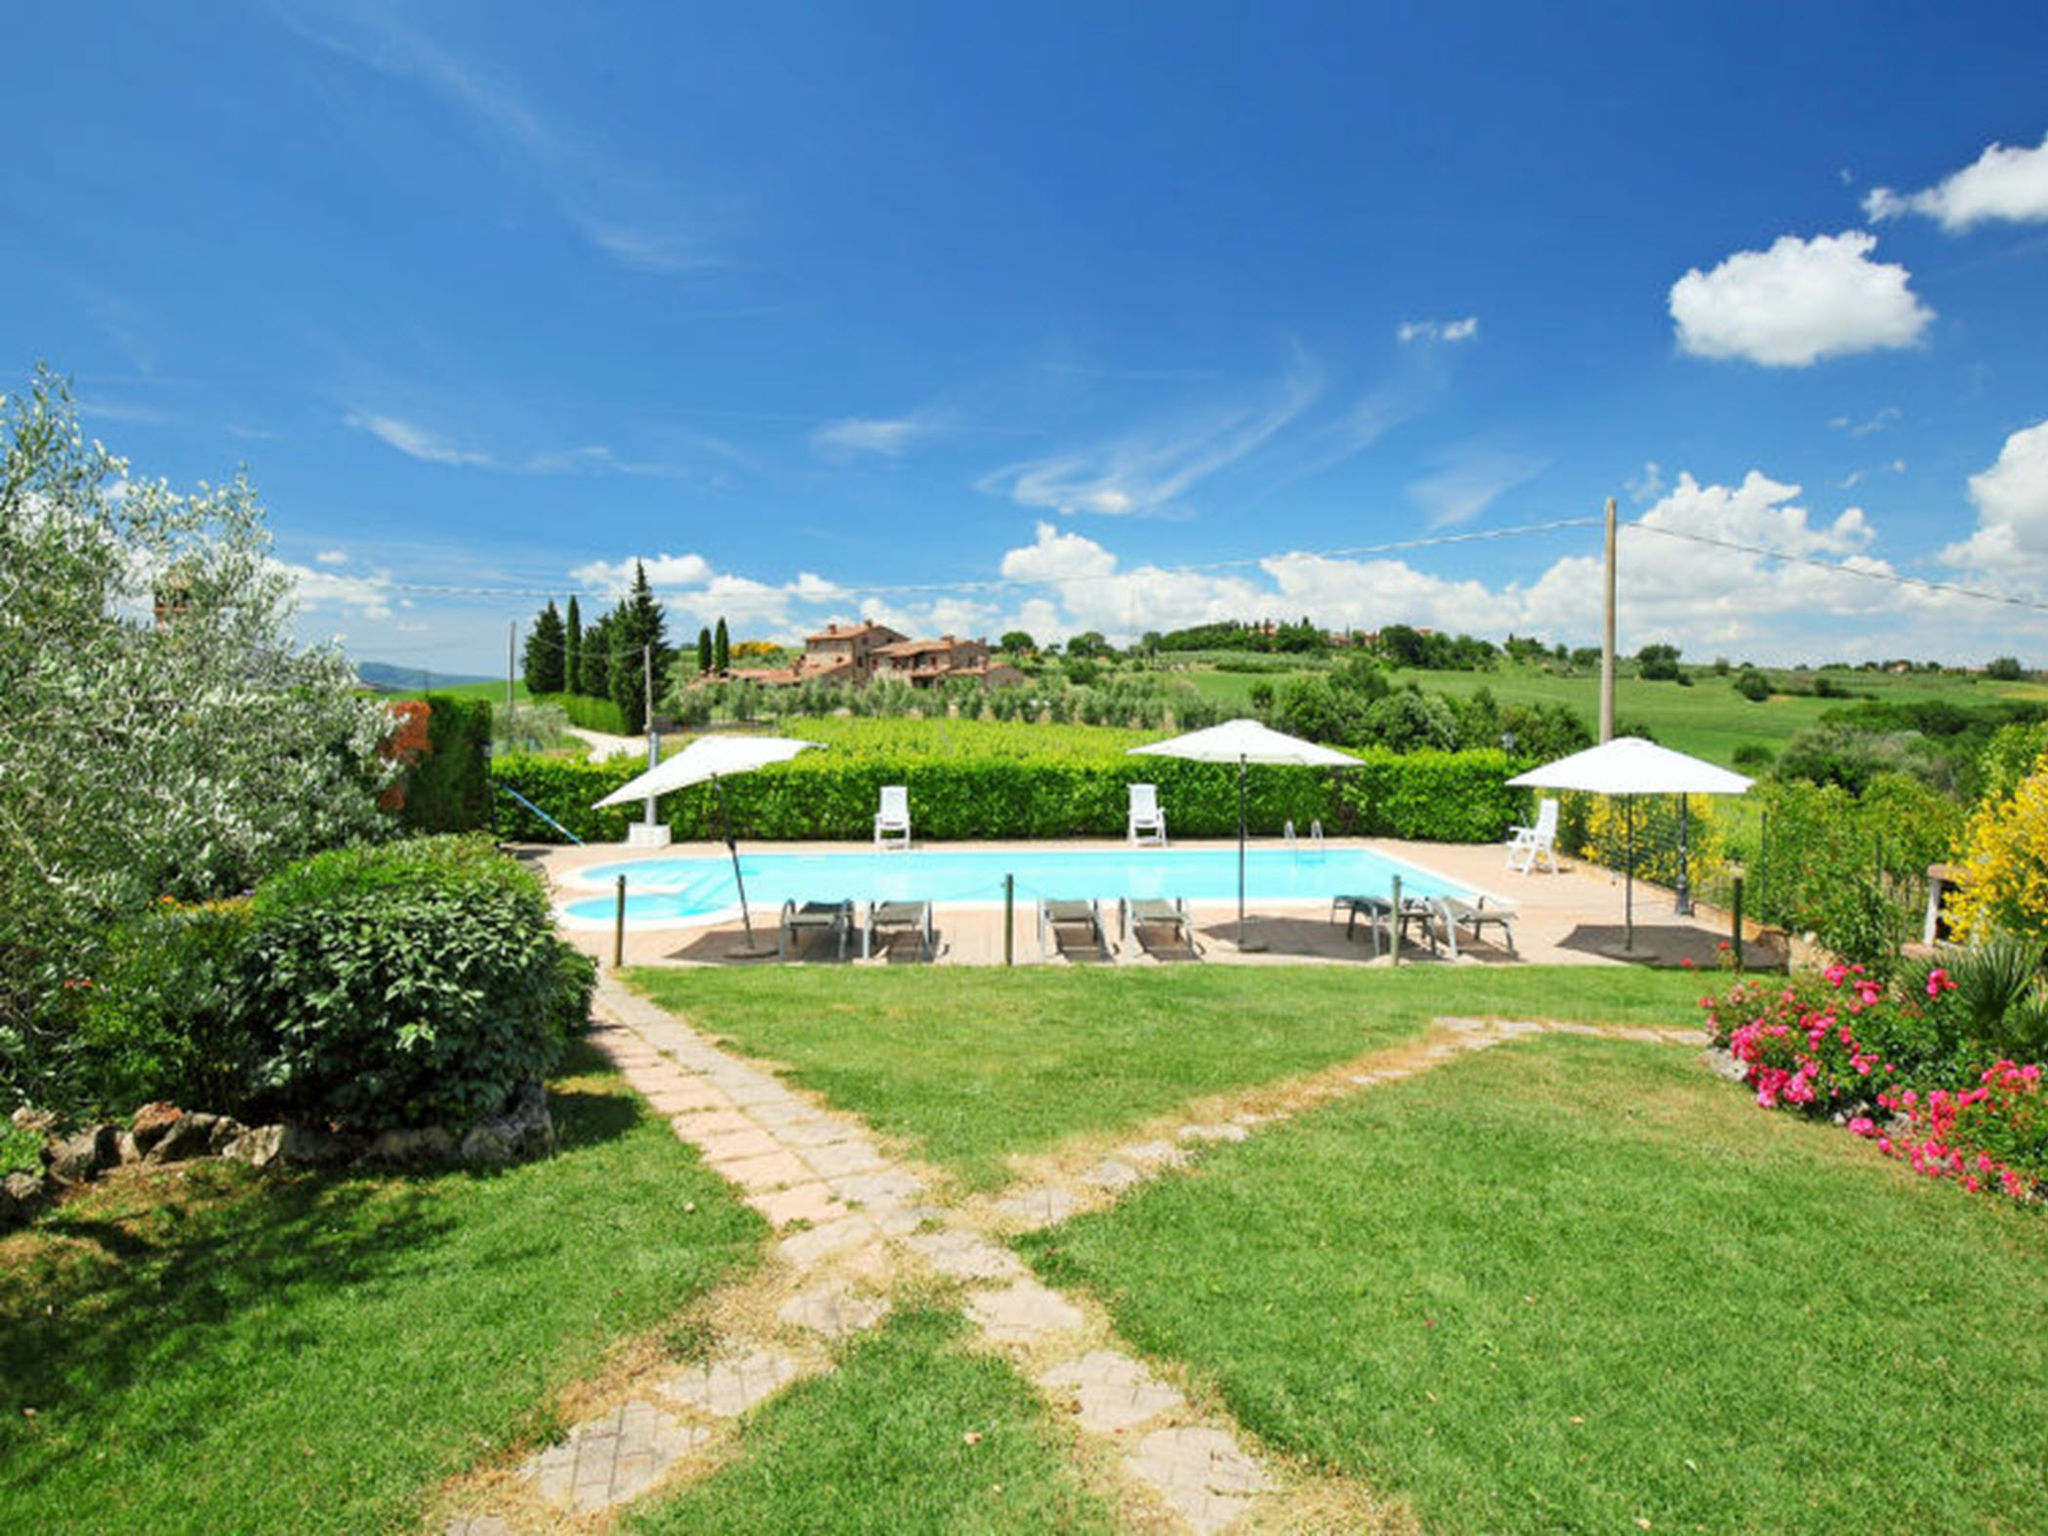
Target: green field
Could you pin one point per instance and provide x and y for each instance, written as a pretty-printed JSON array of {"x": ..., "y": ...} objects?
[{"x": 1709, "y": 719}]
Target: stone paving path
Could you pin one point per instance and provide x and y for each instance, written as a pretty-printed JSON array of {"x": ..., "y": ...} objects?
[{"x": 851, "y": 1222}]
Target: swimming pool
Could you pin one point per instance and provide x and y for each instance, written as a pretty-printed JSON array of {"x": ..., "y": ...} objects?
[{"x": 681, "y": 891}]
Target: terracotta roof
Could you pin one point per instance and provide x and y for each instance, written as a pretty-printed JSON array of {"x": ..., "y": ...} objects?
[
  {"x": 850, "y": 631},
  {"x": 919, "y": 647}
]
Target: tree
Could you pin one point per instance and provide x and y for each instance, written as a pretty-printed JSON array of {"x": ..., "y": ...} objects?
[
  {"x": 546, "y": 644},
  {"x": 721, "y": 648},
  {"x": 572, "y": 650},
  {"x": 2004, "y": 669},
  {"x": 1658, "y": 664},
  {"x": 1088, "y": 645},
  {"x": 704, "y": 650},
  {"x": 641, "y": 628},
  {"x": 594, "y": 664},
  {"x": 1752, "y": 685},
  {"x": 161, "y": 734},
  {"x": 1017, "y": 642}
]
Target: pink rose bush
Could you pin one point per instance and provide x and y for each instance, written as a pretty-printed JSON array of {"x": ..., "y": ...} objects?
[{"x": 1886, "y": 1063}]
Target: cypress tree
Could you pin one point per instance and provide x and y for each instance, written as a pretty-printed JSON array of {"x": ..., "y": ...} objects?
[
  {"x": 703, "y": 650},
  {"x": 594, "y": 669},
  {"x": 544, "y": 659},
  {"x": 721, "y": 647},
  {"x": 640, "y": 625},
  {"x": 572, "y": 650}
]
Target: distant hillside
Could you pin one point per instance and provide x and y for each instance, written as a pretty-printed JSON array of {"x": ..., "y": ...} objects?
[{"x": 386, "y": 678}]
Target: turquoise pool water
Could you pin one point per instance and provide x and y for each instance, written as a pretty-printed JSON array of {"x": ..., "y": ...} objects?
[{"x": 677, "y": 891}]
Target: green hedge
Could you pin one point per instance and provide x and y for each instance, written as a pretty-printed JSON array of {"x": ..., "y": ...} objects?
[
  {"x": 587, "y": 713},
  {"x": 449, "y": 788},
  {"x": 1457, "y": 797}
]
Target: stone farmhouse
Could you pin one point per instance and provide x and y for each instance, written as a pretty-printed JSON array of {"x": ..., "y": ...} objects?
[{"x": 858, "y": 654}]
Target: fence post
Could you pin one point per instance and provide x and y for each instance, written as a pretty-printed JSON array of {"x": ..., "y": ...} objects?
[
  {"x": 1394, "y": 925},
  {"x": 1737, "y": 937},
  {"x": 1009, "y": 919},
  {"x": 619, "y": 928}
]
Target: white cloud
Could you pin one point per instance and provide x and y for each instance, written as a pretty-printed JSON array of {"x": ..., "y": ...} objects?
[
  {"x": 1461, "y": 491},
  {"x": 1645, "y": 485},
  {"x": 1147, "y": 471},
  {"x": 327, "y": 590},
  {"x": 1884, "y": 417},
  {"x": 1437, "y": 330},
  {"x": 413, "y": 441},
  {"x": 2012, "y": 512},
  {"x": 1056, "y": 556},
  {"x": 2009, "y": 184},
  {"x": 331, "y": 557},
  {"x": 865, "y": 434},
  {"x": 614, "y": 578},
  {"x": 1798, "y": 302}
]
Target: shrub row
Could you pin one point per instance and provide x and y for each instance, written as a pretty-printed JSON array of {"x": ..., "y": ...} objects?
[
  {"x": 587, "y": 713},
  {"x": 1456, "y": 797},
  {"x": 411, "y": 984}
]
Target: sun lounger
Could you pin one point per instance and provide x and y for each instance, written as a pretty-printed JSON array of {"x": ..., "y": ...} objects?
[
  {"x": 833, "y": 917},
  {"x": 1476, "y": 916},
  {"x": 1377, "y": 911},
  {"x": 1134, "y": 913},
  {"x": 1057, "y": 918},
  {"x": 888, "y": 918}
]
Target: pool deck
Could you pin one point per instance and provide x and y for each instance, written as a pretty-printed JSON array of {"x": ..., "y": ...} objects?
[{"x": 1573, "y": 917}]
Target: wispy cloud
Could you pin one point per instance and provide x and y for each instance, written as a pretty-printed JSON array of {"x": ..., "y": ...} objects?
[
  {"x": 414, "y": 442},
  {"x": 1437, "y": 330},
  {"x": 888, "y": 436},
  {"x": 1877, "y": 422},
  {"x": 1147, "y": 471},
  {"x": 631, "y": 217},
  {"x": 1467, "y": 487}
]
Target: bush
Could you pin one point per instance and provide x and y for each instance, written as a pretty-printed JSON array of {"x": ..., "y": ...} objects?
[
  {"x": 448, "y": 789},
  {"x": 408, "y": 985},
  {"x": 587, "y": 713},
  {"x": 167, "y": 1017},
  {"x": 1752, "y": 685},
  {"x": 2007, "y": 890}
]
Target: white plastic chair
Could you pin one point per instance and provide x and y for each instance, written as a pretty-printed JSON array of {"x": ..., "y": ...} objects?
[
  {"x": 1147, "y": 821},
  {"x": 1528, "y": 844},
  {"x": 892, "y": 821}
]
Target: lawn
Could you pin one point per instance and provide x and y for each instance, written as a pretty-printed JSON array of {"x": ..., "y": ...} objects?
[
  {"x": 206, "y": 1348},
  {"x": 882, "y": 1445},
  {"x": 971, "y": 1065},
  {"x": 1580, "y": 1285}
]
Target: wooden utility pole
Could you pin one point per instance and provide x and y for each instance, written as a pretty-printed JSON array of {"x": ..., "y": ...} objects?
[
  {"x": 653, "y": 741},
  {"x": 1607, "y": 639}
]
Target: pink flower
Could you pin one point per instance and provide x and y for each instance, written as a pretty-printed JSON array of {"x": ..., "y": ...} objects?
[
  {"x": 1939, "y": 981},
  {"x": 1862, "y": 1125}
]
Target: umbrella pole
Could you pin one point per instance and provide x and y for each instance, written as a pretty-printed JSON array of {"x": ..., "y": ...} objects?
[
  {"x": 733, "y": 848},
  {"x": 1242, "y": 945},
  {"x": 1628, "y": 885}
]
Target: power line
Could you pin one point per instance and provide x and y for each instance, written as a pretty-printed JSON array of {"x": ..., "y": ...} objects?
[{"x": 1839, "y": 569}]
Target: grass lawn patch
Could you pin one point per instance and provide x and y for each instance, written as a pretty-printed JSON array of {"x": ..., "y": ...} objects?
[
  {"x": 972, "y": 1064},
  {"x": 1577, "y": 1285},
  {"x": 882, "y": 1445},
  {"x": 208, "y": 1348}
]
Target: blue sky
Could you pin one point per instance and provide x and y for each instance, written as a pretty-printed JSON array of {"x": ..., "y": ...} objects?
[{"x": 1109, "y": 317}]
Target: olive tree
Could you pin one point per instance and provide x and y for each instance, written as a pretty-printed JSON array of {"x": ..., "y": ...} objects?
[{"x": 161, "y": 735}]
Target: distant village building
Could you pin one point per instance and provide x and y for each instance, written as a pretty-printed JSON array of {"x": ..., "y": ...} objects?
[{"x": 857, "y": 654}]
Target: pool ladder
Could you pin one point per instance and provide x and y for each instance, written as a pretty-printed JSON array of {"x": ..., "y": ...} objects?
[{"x": 1315, "y": 835}]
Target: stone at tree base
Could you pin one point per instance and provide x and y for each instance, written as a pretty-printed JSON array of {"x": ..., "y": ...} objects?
[
  {"x": 258, "y": 1147},
  {"x": 152, "y": 1123},
  {"x": 37, "y": 1122},
  {"x": 522, "y": 1129},
  {"x": 312, "y": 1146},
  {"x": 81, "y": 1157},
  {"x": 130, "y": 1153},
  {"x": 483, "y": 1147},
  {"x": 413, "y": 1148},
  {"x": 22, "y": 1196},
  {"x": 225, "y": 1129},
  {"x": 191, "y": 1135}
]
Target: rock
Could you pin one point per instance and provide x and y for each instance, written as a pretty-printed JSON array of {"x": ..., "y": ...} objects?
[
  {"x": 414, "y": 1148},
  {"x": 1725, "y": 1064},
  {"x": 152, "y": 1123},
  {"x": 38, "y": 1122},
  {"x": 189, "y": 1135},
  {"x": 225, "y": 1129},
  {"x": 22, "y": 1196},
  {"x": 258, "y": 1147},
  {"x": 483, "y": 1147},
  {"x": 521, "y": 1129},
  {"x": 84, "y": 1155},
  {"x": 130, "y": 1153},
  {"x": 312, "y": 1146}
]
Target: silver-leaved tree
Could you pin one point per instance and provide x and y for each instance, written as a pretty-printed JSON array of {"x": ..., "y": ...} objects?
[{"x": 161, "y": 735}]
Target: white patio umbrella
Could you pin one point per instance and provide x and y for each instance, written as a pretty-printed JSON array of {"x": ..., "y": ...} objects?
[
  {"x": 713, "y": 757},
  {"x": 1629, "y": 766},
  {"x": 1243, "y": 742}
]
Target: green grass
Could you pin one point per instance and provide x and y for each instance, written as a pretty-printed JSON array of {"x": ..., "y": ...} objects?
[
  {"x": 218, "y": 1350},
  {"x": 972, "y": 1064},
  {"x": 492, "y": 691},
  {"x": 880, "y": 1446},
  {"x": 1583, "y": 1285}
]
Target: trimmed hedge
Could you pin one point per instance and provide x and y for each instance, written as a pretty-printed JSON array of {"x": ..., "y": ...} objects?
[
  {"x": 449, "y": 788},
  {"x": 1456, "y": 797}
]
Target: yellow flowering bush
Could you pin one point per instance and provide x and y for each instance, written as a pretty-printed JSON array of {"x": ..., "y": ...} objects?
[
  {"x": 1604, "y": 839},
  {"x": 2007, "y": 858}
]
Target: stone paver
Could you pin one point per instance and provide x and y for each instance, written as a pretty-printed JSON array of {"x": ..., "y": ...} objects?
[
  {"x": 697, "y": 1127},
  {"x": 683, "y": 1095},
  {"x": 1046, "y": 1206},
  {"x": 812, "y": 1203},
  {"x": 752, "y": 1141},
  {"x": 476, "y": 1525},
  {"x": 965, "y": 1256},
  {"x": 819, "y": 1243},
  {"x": 884, "y": 1186},
  {"x": 1213, "y": 1132},
  {"x": 772, "y": 1170},
  {"x": 1113, "y": 1174},
  {"x": 1153, "y": 1154},
  {"x": 1201, "y": 1473},
  {"x": 834, "y": 1310},
  {"x": 613, "y": 1458},
  {"x": 1115, "y": 1392},
  {"x": 816, "y": 1131},
  {"x": 1023, "y": 1313},
  {"x": 729, "y": 1387},
  {"x": 844, "y": 1158}
]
